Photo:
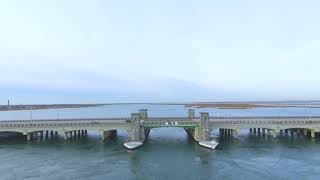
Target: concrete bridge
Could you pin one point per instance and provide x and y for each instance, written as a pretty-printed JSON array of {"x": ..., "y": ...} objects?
[{"x": 139, "y": 125}]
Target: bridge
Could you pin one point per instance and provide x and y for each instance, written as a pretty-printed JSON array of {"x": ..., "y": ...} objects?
[{"x": 139, "y": 125}]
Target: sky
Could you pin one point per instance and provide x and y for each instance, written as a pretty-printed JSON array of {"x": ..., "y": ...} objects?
[{"x": 79, "y": 51}]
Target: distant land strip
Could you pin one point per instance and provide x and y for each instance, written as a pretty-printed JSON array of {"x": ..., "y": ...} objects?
[
  {"x": 44, "y": 106},
  {"x": 249, "y": 106},
  {"x": 219, "y": 105}
]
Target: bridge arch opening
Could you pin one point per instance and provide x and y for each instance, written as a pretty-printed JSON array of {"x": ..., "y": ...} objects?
[{"x": 167, "y": 135}]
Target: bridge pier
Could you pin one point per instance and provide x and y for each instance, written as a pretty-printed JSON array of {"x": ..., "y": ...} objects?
[
  {"x": 298, "y": 132},
  {"x": 108, "y": 134},
  {"x": 68, "y": 135},
  {"x": 65, "y": 136},
  {"x": 204, "y": 132},
  {"x": 29, "y": 136},
  {"x": 274, "y": 132},
  {"x": 236, "y": 133},
  {"x": 103, "y": 135},
  {"x": 286, "y": 132},
  {"x": 312, "y": 133},
  {"x": 221, "y": 132},
  {"x": 34, "y": 136},
  {"x": 41, "y": 135},
  {"x": 135, "y": 138}
]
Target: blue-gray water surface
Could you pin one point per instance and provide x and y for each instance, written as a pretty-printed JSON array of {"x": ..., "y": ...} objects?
[{"x": 169, "y": 153}]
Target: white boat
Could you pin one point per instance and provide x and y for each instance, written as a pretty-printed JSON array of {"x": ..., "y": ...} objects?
[
  {"x": 209, "y": 144},
  {"x": 133, "y": 144}
]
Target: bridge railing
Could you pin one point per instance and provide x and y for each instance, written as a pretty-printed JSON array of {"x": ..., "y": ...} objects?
[
  {"x": 169, "y": 123},
  {"x": 264, "y": 117},
  {"x": 61, "y": 124},
  {"x": 78, "y": 119},
  {"x": 267, "y": 122}
]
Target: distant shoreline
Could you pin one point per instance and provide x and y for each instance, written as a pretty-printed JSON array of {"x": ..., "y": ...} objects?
[
  {"x": 44, "y": 106},
  {"x": 250, "y": 106},
  {"x": 219, "y": 105}
]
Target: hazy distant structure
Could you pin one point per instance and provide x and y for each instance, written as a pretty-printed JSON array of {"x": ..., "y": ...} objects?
[{"x": 8, "y": 102}]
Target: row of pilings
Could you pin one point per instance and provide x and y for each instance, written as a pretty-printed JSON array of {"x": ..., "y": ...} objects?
[
  {"x": 42, "y": 135},
  {"x": 269, "y": 132},
  {"x": 74, "y": 134}
]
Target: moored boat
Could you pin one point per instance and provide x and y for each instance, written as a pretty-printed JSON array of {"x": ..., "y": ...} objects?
[
  {"x": 133, "y": 144},
  {"x": 209, "y": 144}
]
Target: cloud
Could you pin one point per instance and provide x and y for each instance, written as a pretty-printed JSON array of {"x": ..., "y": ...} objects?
[{"x": 160, "y": 50}]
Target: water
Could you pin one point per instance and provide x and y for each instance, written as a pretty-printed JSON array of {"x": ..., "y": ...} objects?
[{"x": 168, "y": 154}]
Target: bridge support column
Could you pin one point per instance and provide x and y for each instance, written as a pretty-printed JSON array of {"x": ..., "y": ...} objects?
[
  {"x": 33, "y": 136},
  {"x": 312, "y": 133},
  {"x": 65, "y": 135},
  {"x": 275, "y": 133},
  {"x": 135, "y": 140},
  {"x": 305, "y": 132},
  {"x": 103, "y": 135},
  {"x": 108, "y": 134},
  {"x": 29, "y": 136},
  {"x": 299, "y": 132},
  {"x": 236, "y": 133},
  {"x": 113, "y": 133},
  {"x": 204, "y": 127},
  {"x": 41, "y": 135},
  {"x": 286, "y": 132},
  {"x": 204, "y": 132},
  {"x": 263, "y": 131}
]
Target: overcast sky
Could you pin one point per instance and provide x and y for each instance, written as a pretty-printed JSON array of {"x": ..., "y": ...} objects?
[{"x": 84, "y": 51}]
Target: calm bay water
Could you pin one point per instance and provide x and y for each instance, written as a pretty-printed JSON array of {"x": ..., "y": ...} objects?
[{"x": 168, "y": 154}]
